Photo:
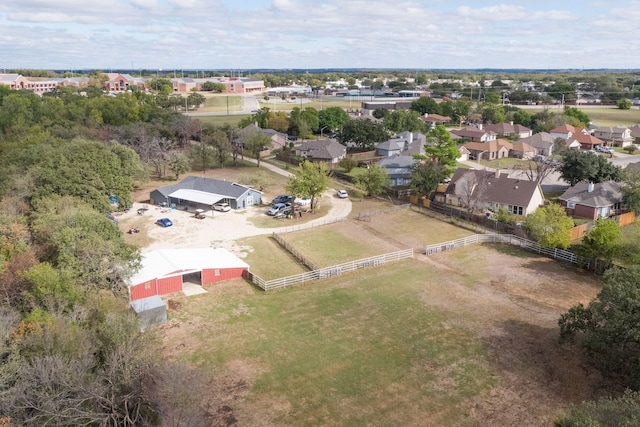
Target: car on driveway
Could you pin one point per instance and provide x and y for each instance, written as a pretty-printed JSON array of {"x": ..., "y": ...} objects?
[
  {"x": 165, "y": 222},
  {"x": 274, "y": 209},
  {"x": 222, "y": 207},
  {"x": 342, "y": 194},
  {"x": 283, "y": 198}
]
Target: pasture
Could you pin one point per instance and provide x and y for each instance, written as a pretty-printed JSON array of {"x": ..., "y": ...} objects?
[{"x": 466, "y": 338}]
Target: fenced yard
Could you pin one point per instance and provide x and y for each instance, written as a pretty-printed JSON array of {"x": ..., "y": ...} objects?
[{"x": 559, "y": 254}]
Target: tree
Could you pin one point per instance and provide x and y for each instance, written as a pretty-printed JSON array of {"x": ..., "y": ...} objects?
[
  {"x": 201, "y": 155},
  {"x": 578, "y": 114},
  {"x": 213, "y": 87},
  {"x": 522, "y": 117},
  {"x": 363, "y": 133},
  {"x": 219, "y": 141},
  {"x": 425, "y": 177},
  {"x": 195, "y": 100},
  {"x": 179, "y": 164},
  {"x": 310, "y": 180},
  {"x": 550, "y": 226},
  {"x": 608, "y": 329},
  {"x": 624, "y": 104},
  {"x": 262, "y": 117},
  {"x": 536, "y": 170},
  {"x": 348, "y": 163},
  {"x": 602, "y": 242},
  {"x": 256, "y": 142},
  {"x": 279, "y": 122},
  {"x": 380, "y": 113},
  {"x": 333, "y": 118},
  {"x": 493, "y": 113},
  {"x": 579, "y": 166},
  {"x": 374, "y": 181},
  {"x": 425, "y": 105},
  {"x": 403, "y": 120},
  {"x": 441, "y": 149},
  {"x": 631, "y": 189}
]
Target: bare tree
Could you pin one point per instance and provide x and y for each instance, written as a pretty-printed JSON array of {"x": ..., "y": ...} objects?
[
  {"x": 536, "y": 170},
  {"x": 470, "y": 189}
]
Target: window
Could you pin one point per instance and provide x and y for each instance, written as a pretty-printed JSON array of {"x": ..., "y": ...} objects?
[
  {"x": 571, "y": 205},
  {"x": 516, "y": 210},
  {"x": 147, "y": 286},
  {"x": 216, "y": 272}
]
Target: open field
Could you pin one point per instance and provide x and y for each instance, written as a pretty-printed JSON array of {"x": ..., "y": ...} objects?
[
  {"x": 232, "y": 120},
  {"x": 419, "y": 342},
  {"x": 221, "y": 103},
  {"x": 601, "y": 116}
]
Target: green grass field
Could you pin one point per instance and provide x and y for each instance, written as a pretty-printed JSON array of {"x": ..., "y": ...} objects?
[
  {"x": 344, "y": 352},
  {"x": 603, "y": 116},
  {"x": 233, "y": 120}
]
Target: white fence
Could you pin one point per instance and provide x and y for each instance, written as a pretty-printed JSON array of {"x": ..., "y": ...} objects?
[
  {"x": 312, "y": 224},
  {"x": 560, "y": 254},
  {"x": 335, "y": 270}
]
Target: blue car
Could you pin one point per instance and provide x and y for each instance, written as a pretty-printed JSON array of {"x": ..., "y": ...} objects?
[{"x": 165, "y": 222}]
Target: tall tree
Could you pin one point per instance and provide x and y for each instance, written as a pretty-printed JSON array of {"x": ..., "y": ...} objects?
[
  {"x": 333, "y": 118},
  {"x": 601, "y": 243},
  {"x": 374, "y": 181},
  {"x": 441, "y": 149},
  {"x": 608, "y": 329},
  {"x": 579, "y": 166},
  {"x": 550, "y": 226},
  {"x": 403, "y": 120},
  {"x": 425, "y": 105},
  {"x": 255, "y": 143},
  {"x": 425, "y": 177},
  {"x": 363, "y": 133},
  {"x": 310, "y": 180}
]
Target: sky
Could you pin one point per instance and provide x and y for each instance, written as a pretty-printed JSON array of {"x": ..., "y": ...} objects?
[{"x": 312, "y": 34}]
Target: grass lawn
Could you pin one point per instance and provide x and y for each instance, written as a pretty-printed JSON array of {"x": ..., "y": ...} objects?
[
  {"x": 630, "y": 253},
  {"x": 504, "y": 163},
  {"x": 602, "y": 116},
  {"x": 233, "y": 120},
  {"x": 279, "y": 105},
  {"x": 268, "y": 259},
  {"x": 220, "y": 103},
  {"x": 357, "y": 350}
]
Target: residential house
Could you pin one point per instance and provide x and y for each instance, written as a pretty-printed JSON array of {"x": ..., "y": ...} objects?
[
  {"x": 278, "y": 139},
  {"x": 565, "y": 131},
  {"x": 433, "y": 119},
  {"x": 586, "y": 141},
  {"x": 399, "y": 169},
  {"x": 490, "y": 150},
  {"x": 617, "y": 136},
  {"x": 509, "y": 130},
  {"x": 522, "y": 150},
  {"x": 401, "y": 144},
  {"x": 473, "y": 134},
  {"x": 589, "y": 200},
  {"x": 542, "y": 142},
  {"x": 487, "y": 190},
  {"x": 323, "y": 150},
  {"x": 201, "y": 193},
  {"x": 464, "y": 153},
  {"x": 635, "y": 133}
]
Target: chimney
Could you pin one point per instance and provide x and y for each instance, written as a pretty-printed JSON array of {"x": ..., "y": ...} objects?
[
  {"x": 410, "y": 137},
  {"x": 511, "y": 122},
  {"x": 480, "y": 126},
  {"x": 590, "y": 187}
]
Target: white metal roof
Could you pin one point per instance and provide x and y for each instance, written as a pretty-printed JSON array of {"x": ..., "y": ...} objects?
[
  {"x": 197, "y": 196},
  {"x": 173, "y": 262}
]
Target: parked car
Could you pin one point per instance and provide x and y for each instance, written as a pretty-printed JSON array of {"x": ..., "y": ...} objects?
[
  {"x": 538, "y": 158},
  {"x": 283, "y": 212},
  {"x": 303, "y": 202},
  {"x": 283, "y": 198},
  {"x": 222, "y": 207},
  {"x": 165, "y": 222},
  {"x": 342, "y": 194},
  {"x": 274, "y": 209}
]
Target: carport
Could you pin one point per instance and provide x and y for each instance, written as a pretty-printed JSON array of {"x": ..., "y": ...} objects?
[{"x": 195, "y": 198}]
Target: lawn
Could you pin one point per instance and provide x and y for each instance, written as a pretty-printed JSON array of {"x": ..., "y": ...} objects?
[
  {"x": 602, "y": 116},
  {"x": 221, "y": 103},
  {"x": 357, "y": 350},
  {"x": 268, "y": 259},
  {"x": 630, "y": 253},
  {"x": 504, "y": 163}
]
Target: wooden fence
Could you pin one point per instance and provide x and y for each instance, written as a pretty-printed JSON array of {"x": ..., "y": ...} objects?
[
  {"x": 325, "y": 273},
  {"x": 560, "y": 254},
  {"x": 288, "y": 247}
]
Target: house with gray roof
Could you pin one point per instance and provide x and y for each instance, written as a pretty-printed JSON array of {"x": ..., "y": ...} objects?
[
  {"x": 509, "y": 130},
  {"x": 476, "y": 189},
  {"x": 616, "y": 136},
  {"x": 474, "y": 134},
  {"x": 278, "y": 139},
  {"x": 399, "y": 169},
  {"x": 589, "y": 200},
  {"x": 405, "y": 143},
  {"x": 196, "y": 192},
  {"x": 543, "y": 143},
  {"x": 322, "y": 150}
]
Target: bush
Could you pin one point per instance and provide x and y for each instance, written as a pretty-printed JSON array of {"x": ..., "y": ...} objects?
[{"x": 348, "y": 164}]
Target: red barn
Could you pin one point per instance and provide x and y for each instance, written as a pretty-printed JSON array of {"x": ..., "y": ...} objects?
[{"x": 164, "y": 271}]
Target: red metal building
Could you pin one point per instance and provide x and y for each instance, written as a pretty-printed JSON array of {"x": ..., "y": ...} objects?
[{"x": 164, "y": 271}]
